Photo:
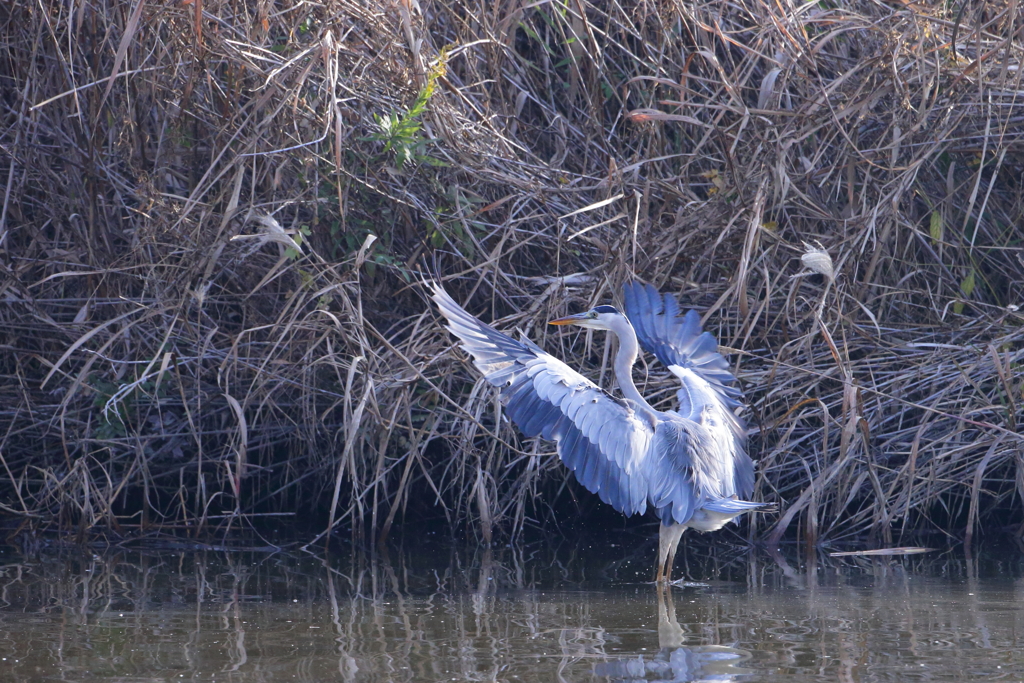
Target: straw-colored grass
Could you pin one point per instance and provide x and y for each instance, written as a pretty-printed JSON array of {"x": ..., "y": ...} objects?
[{"x": 215, "y": 215}]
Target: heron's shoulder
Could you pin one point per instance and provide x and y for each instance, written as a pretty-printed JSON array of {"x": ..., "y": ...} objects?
[
  {"x": 674, "y": 417},
  {"x": 672, "y": 422}
]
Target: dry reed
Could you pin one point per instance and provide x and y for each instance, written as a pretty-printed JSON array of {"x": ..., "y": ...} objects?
[{"x": 215, "y": 215}]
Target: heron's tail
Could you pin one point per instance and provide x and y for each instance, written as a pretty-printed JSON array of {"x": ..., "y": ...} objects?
[{"x": 732, "y": 506}]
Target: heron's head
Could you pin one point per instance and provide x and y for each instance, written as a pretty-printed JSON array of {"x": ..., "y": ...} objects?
[{"x": 598, "y": 318}]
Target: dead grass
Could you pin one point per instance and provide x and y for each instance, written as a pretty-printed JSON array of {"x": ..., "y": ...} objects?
[{"x": 175, "y": 357}]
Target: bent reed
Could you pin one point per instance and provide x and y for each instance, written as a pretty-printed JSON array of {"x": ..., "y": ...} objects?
[{"x": 216, "y": 214}]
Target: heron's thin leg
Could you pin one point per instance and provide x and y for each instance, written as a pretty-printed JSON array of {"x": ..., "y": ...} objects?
[
  {"x": 672, "y": 556},
  {"x": 668, "y": 541},
  {"x": 659, "y": 574}
]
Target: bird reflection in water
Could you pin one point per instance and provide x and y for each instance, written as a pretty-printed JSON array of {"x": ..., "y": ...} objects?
[{"x": 674, "y": 661}]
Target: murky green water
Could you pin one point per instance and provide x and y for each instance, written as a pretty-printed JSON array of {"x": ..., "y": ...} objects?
[{"x": 531, "y": 614}]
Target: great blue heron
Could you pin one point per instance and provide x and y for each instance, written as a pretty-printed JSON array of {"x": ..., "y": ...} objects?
[{"x": 690, "y": 465}]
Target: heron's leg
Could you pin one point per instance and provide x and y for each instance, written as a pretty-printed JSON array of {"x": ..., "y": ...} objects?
[
  {"x": 668, "y": 541},
  {"x": 672, "y": 553}
]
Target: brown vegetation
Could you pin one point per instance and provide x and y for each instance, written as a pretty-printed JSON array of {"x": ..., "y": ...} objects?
[{"x": 215, "y": 214}]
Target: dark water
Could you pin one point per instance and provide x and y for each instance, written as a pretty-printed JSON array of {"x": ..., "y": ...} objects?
[{"x": 544, "y": 612}]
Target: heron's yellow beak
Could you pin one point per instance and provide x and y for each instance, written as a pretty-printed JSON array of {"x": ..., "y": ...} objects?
[{"x": 577, "y": 319}]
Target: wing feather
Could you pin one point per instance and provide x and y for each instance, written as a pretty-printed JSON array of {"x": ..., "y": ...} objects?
[
  {"x": 567, "y": 447},
  {"x": 543, "y": 420},
  {"x": 598, "y": 437},
  {"x": 678, "y": 339}
]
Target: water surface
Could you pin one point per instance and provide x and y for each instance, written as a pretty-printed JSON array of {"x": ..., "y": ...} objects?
[{"x": 534, "y": 613}]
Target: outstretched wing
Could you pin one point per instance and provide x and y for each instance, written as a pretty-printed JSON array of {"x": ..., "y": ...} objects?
[
  {"x": 708, "y": 394},
  {"x": 679, "y": 342},
  {"x": 602, "y": 440}
]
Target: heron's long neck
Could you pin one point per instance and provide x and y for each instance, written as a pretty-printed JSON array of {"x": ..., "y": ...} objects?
[{"x": 624, "y": 360}]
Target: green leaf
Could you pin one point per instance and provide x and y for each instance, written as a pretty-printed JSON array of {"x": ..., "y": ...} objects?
[
  {"x": 967, "y": 286},
  {"x": 935, "y": 228}
]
